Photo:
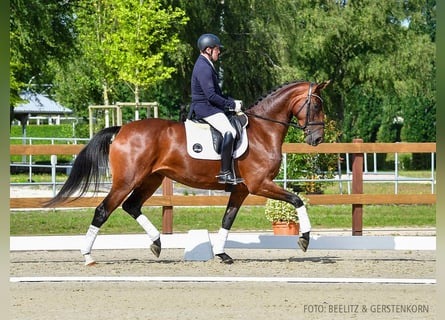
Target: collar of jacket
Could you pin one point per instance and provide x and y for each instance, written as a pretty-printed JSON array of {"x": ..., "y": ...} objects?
[{"x": 210, "y": 62}]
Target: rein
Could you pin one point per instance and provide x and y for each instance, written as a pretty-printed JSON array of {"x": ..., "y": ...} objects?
[
  {"x": 287, "y": 124},
  {"x": 292, "y": 123}
]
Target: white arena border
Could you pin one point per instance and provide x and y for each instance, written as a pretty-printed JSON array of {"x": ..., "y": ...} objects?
[
  {"x": 220, "y": 279},
  {"x": 248, "y": 240},
  {"x": 197, "y": 244}
]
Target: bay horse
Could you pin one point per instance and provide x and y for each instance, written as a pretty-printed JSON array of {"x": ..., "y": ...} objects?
[{"x": 141, "y": 153}]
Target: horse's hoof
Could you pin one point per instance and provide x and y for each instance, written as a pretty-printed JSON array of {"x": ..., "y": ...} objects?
[
  {"x": 225, "y": 258},
  {"x": 156, "y": 248},
  {"x": 89, "y": 261},
  {"x": 303, "y": 243}
]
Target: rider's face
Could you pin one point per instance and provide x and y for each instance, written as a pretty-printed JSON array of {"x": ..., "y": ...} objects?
[{"x": 213, "y": 53}]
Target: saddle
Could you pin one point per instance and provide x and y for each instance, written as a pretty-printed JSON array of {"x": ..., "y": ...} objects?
[{"x": 204, "y": 141}]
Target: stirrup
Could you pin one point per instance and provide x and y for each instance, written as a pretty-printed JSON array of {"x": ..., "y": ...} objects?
[{"x": 228, "y": 177}]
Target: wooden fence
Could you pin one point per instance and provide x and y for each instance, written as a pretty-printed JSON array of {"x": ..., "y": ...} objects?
[{"x": 357, "y": 199}]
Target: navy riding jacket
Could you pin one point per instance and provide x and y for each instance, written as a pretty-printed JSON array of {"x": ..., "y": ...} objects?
[{"x": 207, "y": 97}]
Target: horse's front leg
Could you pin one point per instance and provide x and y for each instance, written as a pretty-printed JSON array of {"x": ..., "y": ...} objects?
[
  {"x": 236, "y": 199},
  {"x": 305, "y": 224},
  {"x": 270, "y": 190}
]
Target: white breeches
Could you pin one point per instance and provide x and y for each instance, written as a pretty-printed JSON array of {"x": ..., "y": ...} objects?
[{"x": 220, "y": 122}]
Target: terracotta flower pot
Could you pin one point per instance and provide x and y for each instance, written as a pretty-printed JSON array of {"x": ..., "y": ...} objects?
[{"x": 285, "y": 229}]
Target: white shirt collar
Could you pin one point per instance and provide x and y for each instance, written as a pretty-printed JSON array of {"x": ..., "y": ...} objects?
[{"x": 211, "y": 63}]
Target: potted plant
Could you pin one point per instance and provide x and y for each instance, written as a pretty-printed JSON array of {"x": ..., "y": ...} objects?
[{"x": 283, "y": 216}]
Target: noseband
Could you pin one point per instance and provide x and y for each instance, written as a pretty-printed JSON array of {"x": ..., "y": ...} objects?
[{"x": 296, "y": 124}]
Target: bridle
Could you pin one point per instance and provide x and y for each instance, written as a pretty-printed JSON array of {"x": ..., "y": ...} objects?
[{"x": 296, "y": 124}]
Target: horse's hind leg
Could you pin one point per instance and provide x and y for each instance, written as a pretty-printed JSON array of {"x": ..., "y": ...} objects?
[
  {"x": 101, "y": 214},
  {"x": 134, "y": 204}
]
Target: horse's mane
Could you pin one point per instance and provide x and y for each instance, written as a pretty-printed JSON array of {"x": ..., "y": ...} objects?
[{"x": 274, "y": 90}]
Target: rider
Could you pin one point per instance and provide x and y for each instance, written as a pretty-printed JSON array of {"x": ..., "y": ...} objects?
[{"x": 209, "y": 104}]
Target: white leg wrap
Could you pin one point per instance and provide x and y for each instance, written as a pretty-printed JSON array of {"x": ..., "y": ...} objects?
[
  {"x": 151, "y": 230},
  {"x": 303, "y": 219},
  {"x": 220, "y": 241},
  {"x": 90, "y": 237},
  {"x": 88, "y": 260}
]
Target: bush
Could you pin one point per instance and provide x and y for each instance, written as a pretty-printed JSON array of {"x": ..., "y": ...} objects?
[
  {"x": 313, "y": 166},
  {"x": 43, "y": 131}
]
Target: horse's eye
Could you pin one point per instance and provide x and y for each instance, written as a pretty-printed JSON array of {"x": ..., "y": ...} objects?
[{"x": 317, "y": 107}]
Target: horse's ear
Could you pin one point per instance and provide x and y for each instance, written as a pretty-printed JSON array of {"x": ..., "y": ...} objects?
[{"x": 323, "y": 85}]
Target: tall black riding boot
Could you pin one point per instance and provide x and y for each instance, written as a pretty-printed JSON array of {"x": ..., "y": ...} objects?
[{"x": 227, "y": 173}]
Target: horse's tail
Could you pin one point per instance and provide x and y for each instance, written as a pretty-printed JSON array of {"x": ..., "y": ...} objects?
[{"x": 90, "y": 164}]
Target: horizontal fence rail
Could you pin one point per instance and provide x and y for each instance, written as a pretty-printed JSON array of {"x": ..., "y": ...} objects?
[
  {"x": 251, "y": 200},
  {"x": 168, "y": 200},
  {"x": 402, "y": 147}
]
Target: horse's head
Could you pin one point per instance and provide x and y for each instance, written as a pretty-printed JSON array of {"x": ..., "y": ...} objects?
[
  {"x": 300, "y": 99},
  {"x": 308, "y": 109}
]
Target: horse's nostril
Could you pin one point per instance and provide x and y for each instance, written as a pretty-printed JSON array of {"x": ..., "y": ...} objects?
[{"x": 318, "y": 140}]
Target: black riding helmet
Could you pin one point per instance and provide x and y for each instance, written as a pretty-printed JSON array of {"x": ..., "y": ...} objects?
[{"x": 208, "y": 40}]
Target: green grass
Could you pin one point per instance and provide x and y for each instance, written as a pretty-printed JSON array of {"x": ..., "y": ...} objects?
[
  {"x": 36, "y": 177},
  {"x": 250, "y": 218},
  {"x": 383, "y": 188}
]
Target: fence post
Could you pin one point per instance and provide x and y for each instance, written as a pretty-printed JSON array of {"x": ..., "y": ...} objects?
[
  {"x": 53, "y": 172},
  {"x": 357, "y": 188},
  {"x": 167, "y": 211}
]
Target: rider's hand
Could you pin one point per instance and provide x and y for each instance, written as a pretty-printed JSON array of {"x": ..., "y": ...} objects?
[
  {"x": 238, "y": 105},
  {"x": 230, "y": 105}
]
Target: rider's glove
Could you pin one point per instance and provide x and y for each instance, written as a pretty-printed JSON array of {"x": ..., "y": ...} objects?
[
  {"x": 238, "y": 105},
  {"x": 233, "y": 105}
]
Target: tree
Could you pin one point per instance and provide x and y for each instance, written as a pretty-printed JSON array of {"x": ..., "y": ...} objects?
[
  {"x": 254, "y": 34},
  {"x": 120, "y": 43},
  {"x": 380, "y": 54},
  {"x": 144, "y": 32},
  {"x": 94, "y": 23},
  {"x": 78, "y": 85},
  {"x": 40, "y": 31},
  {"x": 369, "y": 51}
]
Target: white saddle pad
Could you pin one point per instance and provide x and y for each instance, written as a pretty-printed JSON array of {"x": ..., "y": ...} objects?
[{"x": 200, "y": 142}]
